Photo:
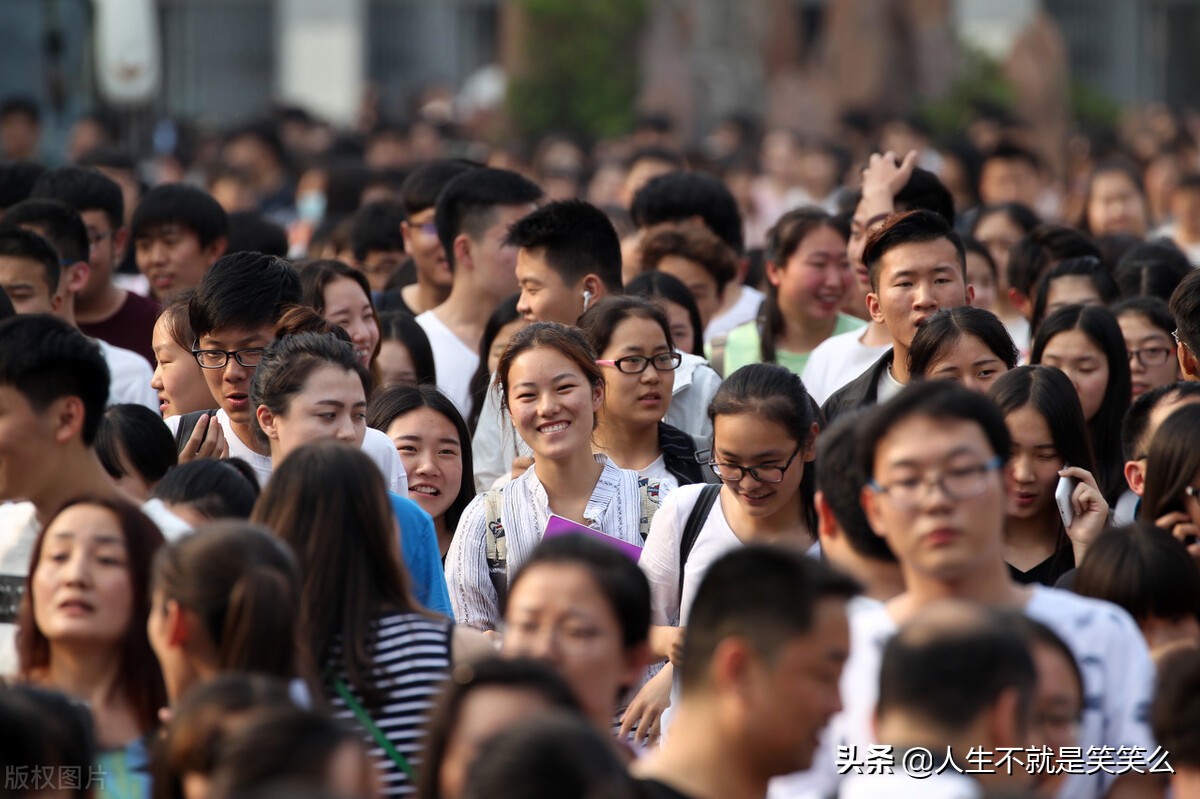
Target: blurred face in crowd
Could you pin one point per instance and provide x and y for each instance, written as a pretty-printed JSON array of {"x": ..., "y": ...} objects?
[
  {"x": 936, "y": 534},
  {"x": 349, "y": 307},
  {"x": 971, "y": 362},
  {"x": 914, "y": 281},
  {"x": 558, "y": 613},
  {"x": 1152, "y": 361},
  {"x": 1084, "y": 363},
  {"x": 106, "y": 244},
  {"x": 1008, "y": 180},
  {"x": 332, "y": 405},
  {"x": 422, "y": 243},
  {"x": 699, "y": 281},
  {"x": 1116, "y": 205},
  {"x": 545, "y": 296},
  {"x": 431, "y": 450},
  {"x": 81, "y": 586},
  {"x": 484, "y": 712},
  {"x": 500, "y": 342},
  {"x": 1032, "y": 473},
  {"x": 815, "y": 278},
  {"x": 178, "y": 379},
  {"x": 1057, "y": 707},
  {"x": 982, "y": 281},
  {"x": 1071, "y": 290},
  {"x": 24, "y": 280},
  {"x": 395, "y": 364},
  {"x": 998, "y": 233},
  {"x": 172, "y": 258}
]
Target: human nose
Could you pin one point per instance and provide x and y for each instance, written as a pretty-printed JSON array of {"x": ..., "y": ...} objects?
[
  {"x": 76, "y": 570},
  {"x": 523, "y": 305},
  {"x": 548, "y": 403},
  {"x": 346, "y": 431},
  {"x": 158, "y": 253},
  {"x": 1021, "y": 470},
  {"x": 156, "y": 380},
  {"x": 234, "y": 372},
  {"x": 923, "y": 296}
]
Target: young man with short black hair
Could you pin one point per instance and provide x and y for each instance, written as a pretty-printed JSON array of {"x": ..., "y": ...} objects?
[
  {"x": 103, "y": 310},
  {"x": 178, "y": 231},
  {"x": 917, "y": 266},
  {"x": 934, "y": 457},
  {"x": 474, "y": 212},
  {"x": 766, "y": 641},
  {"x": 61, "y": 227},
  {"x": 419, "y": 194},
  {"x": 377, "y": 242}
]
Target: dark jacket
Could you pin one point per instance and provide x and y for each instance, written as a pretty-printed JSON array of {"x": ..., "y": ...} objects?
[
  {"x": 679, "y": 455},
  {"x": 860, "y": 392}
]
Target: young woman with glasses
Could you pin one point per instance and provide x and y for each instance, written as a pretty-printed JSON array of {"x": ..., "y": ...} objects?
[
  {"x": 638, "y": 357},
  {"x": 764, "y": 435},
  {"x": 1147, "y": 324}
]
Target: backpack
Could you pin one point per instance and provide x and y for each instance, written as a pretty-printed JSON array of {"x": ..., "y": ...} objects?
[
  {"x": 496, "y": 549},
  {"x": 187, "y": 424},
  {"x": 691, "y": 528}
]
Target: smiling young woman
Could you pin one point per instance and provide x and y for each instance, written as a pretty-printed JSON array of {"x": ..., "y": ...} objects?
[{"x": 553, "y": 389}]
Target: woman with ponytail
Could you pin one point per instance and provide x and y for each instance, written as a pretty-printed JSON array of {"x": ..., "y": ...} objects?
[{"x": 225, "y": 598}]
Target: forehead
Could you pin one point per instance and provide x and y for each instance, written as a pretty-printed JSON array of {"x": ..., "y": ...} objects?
[
  {"x": 532, "y": 265},
  {"x": 920, "y": 255},
  {"x": 239, "y": 336},
  {"x": 12, "y": 267},
  {"x": 176, "y": 229},
  {"x": 1071, "y": 344},
  {"x": 541, "y": 363},
  {"x": 921, "y": 439}
]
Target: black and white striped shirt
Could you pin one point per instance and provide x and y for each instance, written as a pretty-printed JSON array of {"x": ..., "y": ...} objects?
[{"x": 412, "y": 661}]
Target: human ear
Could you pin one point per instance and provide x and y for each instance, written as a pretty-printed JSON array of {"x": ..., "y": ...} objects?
[
  {"x": 267, "y": 421},
  {"x": 1135, "y": 477},
  {"x": 874, "y": 308},
  {"x": 66, "y": 416}
]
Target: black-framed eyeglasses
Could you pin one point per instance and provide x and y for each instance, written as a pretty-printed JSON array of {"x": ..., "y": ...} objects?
[
  {"x": 636, "y": 364},
  {"x": 1150, "y": 356},
  {"x": 957, "y": 483},
  {"x": 732, "y": 473},
  {"x": 216, "y": 359},
  {"x": 94, "y": 239}
]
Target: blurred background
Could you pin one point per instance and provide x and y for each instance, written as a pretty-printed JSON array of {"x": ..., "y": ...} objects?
[{"x": 797, "y": 90}]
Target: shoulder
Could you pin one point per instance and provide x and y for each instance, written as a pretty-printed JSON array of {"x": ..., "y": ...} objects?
[
  {"x": 406, "y": 509},
  {"x": 379, "y": 446},
  {"x": 122, "y": 360},
  {"x": 848, "y": 324},
  {"x": 1080, "y": 618}
]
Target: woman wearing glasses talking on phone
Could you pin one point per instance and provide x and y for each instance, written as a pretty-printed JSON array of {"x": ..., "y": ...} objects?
[
  {"x": 764, "y": 440},
  {"x": 633, "y": 339}
]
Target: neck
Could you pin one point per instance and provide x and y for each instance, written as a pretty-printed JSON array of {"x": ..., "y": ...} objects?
[
  {"x": 85, "y": 673},
  {"x": 876, "y": 335},
  {"x": 988, "y": 584},
  {"x": 729, "y": 298},
  {"x": 443, "y": 535},
  {"x": 569, "y": 478},
  {"x": 1035, "y": 532},
  {"x": 423, "y": 295},
  {"x": 245, "y": 434},
  {"x": 881, "y": 581},
  {"x": 466, "y": 312},
  {"x": 900, "y": 363},
  {"x": 629, "y": 446},
  {"x": 77, "y": 473},
  {"x": 802, "y": 333},
  {"x": 785, "y": 525},
  {"x": 1185, "y": 784},
  {"x": 701, "y": 763},
  {"x": 101, "y": 306}
]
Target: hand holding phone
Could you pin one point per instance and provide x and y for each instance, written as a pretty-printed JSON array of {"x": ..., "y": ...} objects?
[{"x": 1062, "y": 496}]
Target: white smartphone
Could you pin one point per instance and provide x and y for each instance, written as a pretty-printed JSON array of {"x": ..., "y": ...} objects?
[{"x": 1062, "y": 496}]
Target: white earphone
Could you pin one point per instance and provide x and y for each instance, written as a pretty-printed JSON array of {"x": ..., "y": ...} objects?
[{"x": 587, "y": 299}]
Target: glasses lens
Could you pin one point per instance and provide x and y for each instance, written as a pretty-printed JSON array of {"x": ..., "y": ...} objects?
[
  {"x": 249, "y": 357},
  {"x": 1155, "y": 356},
  {"x": 211, "y": 359},
  {"x": 667, "y": 361},
  {"x": 633, "y": 364},
  {"x": 767, "y": 474},
  {"x": 726, "y": 472}
]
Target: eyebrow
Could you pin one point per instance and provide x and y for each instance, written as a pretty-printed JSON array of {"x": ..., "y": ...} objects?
[
  {"x": 442, "y": 440},
  {"x": 558, "y": 376},
  {"x": 935, "y": 268},
  {"x": 217, "y": 344},
  {"x": 338, "y": 403},
  {"x": 954, "y": 453},
  {"x": 100, "y": 539},
  {"x": 773, "y": 454}
]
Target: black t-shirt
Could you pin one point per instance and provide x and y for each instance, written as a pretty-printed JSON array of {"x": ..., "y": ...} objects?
[
  {"x": 653, "y": 789},
  {"x": 1049, "y": 570}
]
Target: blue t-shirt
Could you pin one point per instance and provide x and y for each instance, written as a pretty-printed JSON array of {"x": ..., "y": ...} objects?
[{"x": 422, "y": 557}]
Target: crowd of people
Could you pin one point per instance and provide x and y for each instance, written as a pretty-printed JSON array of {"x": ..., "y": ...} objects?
[{"x": 352, "y": 466}]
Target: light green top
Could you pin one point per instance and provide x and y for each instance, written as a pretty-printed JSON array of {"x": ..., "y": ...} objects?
[{"x": 744, "y": 347}]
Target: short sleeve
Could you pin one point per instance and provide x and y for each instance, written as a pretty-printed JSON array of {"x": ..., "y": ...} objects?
[
  {"x": 422, "y": 556},
  {"x": 660, "y": 556}
]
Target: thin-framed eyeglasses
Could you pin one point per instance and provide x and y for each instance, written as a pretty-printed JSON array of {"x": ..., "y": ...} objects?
[
  {"x": 1178, "y": 340},
  {"x": 636, "y": 364},
  {"x": 956, "y": 482},
  {"x": 732, "y": 473},
  {"x": 1150, "y": 356},
  {"x": 216, "y": 359}
]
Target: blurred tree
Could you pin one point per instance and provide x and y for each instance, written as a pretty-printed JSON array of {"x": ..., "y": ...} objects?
[{"x": 573, "y": 66}]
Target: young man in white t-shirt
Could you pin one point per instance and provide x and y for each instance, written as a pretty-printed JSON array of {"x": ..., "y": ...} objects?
[
  {"x": 934, "y": 456},
  {"x": 474, "y": 212}
]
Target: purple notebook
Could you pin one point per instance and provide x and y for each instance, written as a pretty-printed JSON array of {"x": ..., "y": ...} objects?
[{"x": 559, "y": 526}]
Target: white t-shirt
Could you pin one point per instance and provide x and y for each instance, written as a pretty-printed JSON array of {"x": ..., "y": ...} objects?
[
  {"x": 1117, "y": 671},
  {"x": 129, "y": 377},
  {"x": 657, "y": 470},
  {"x": 742, "y": 311},
  {"x": 376, "y": 445},
  {"x": 836, "y": 361},
  {"x": 455, "y": 361}
]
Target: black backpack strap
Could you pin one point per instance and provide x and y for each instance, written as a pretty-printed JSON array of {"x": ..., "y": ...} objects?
[
  {"x": 691, "y": 528},
  {"x": 187, "y": 425}
]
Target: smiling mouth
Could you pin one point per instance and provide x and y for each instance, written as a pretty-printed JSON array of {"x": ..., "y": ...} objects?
[
  {"x": 553, "y": 427},
  {"x": 426, "y": 490}
]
